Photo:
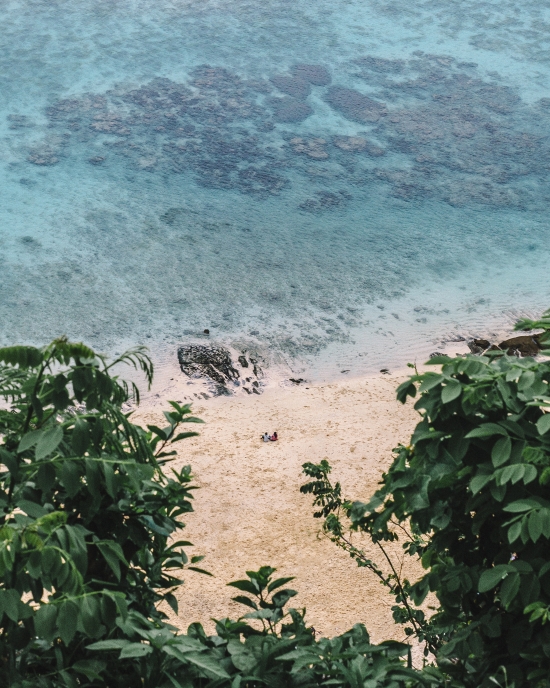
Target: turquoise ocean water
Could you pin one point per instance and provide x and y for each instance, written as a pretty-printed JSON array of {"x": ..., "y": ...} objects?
[{"x": 346, "y": 183}]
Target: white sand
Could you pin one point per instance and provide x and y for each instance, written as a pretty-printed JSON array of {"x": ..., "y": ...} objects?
[{"x": 249, "y": 510}]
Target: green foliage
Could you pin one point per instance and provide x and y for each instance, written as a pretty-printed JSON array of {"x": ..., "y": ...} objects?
[
  {"x": 86, "y": 516},
  {"x": 89, "y": 549},
  {"x": 470, "y": 496}
]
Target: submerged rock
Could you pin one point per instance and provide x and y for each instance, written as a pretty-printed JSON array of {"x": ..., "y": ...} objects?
[
  {"x": 354, "y": 105},
  {"x": 314, "y": 74},
  {"x": 292, "y": 86},
  {"x": 289, "y": 110}
]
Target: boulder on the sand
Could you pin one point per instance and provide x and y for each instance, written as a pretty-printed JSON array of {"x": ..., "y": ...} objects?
[
  {"x": 524, "y": 345},
  {"x": 213, "y": 362}
]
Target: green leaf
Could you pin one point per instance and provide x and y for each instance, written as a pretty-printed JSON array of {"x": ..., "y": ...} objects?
[
  {"x": 282, "y": 597},
  {"x": 32, "y": 508},
  {"x": 90, "y": 614},
  {"x": 450, "y": 391},
  {"x": 109, "y": 645},
  {"x": 509, "y": 589},
  {"x": 67, "y": 618},
  {"x": 48, "y": 442},
  {"x": 521, "y": 505},
  {"x": 80, "y": 438},
  {"x": 543, "y": 424},
  {"x": 492, "y": 577},
  {"x": 278, "y": 583},
  {"x": 487, "y": 430},
  {"x": 478, "y": 482},
  {"x": 44, "y": 621},
  {"x": 241, "y": 599},
  {"x": 113, "y": 555},
  {"x": 135, "y": 650},
  {"x": 208, "y": 664},
  {"x": 28, "y": 440},
  {"x": 535, "y": 525},
  {"x": 514, "y": 531},
  {"x": 501, "y": 451},
  {"x": 245, "y": 586},
  {"x": 91, "y": 668},
  {"x": 22, "y": 356},
  {"x": 9, "y": 604}
]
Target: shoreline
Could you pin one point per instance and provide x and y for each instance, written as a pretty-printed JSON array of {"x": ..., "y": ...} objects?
[{"x": 249, "y": 511}]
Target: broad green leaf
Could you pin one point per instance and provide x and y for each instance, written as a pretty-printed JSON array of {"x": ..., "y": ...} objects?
[
  {"x": 514, "y": 531},
  {"x": 487, "y": 430},
  {"x": 543, "y": 424},
  {"x": 478, "y": 482},
  {"x": 32, "y": 508},
  {"x": 492, "y": 577},
  {"x": 67, "y": 619},
  {"x": 113, "y": 555},
  {"x": 48, "y": 442},
  {"x": 91, "y": 668},
  {"x": 28, "y": 440},
  {"x": 44, "y": 621},
  {"x": 278, "y": 583},
  {"x": 535, "y": 525},
  {"x": 208, "y": 664},
  {"x": 510, "y": 589},
  {"x": 135, "y": 650},
  {"x": 245, "y": 586},
  {"x": 282, "y": 597},
  {"x": 109, "y": 645},
  {"x": 521, "y": 505},
  {"x": 501, "y": 451},
  {"x": 450, "y": 391},
  {"x": 9, "y": 603}
]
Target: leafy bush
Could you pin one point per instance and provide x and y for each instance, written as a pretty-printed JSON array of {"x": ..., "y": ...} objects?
[
  {"x": 87, "y": 521},
  {"x": 86, "y": 516},
  {"x": 471, "y": 496}
]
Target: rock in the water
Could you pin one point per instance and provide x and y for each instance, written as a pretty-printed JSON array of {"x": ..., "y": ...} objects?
[
  {"x": 290, "y": 110},
  {"x": 292, "y": 86},
  {"x": 314, "y": 74},
  {"x": 213, "y": 362},
  {"x": 354, "y": 105}
]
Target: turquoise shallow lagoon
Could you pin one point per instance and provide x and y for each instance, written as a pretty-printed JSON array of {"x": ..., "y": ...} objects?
[{"x": 347, "y": 182}]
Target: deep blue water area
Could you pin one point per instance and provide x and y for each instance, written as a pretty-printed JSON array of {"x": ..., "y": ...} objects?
[{"x": 347, "y": 177}]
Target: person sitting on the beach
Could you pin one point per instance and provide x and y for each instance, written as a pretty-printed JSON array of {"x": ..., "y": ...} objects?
[
  {"x": 274, "y": 437},
  {"x": 266, "y": 437}
]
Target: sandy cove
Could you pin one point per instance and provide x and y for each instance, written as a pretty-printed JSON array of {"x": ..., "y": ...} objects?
[{"x": 249, "y": 510}]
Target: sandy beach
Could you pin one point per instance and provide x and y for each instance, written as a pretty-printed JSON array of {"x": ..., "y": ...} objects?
[{"x": 249, "y": 511}]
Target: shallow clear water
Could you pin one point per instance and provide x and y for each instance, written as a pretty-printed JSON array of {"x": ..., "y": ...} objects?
[{"x": 341, "y": 179}]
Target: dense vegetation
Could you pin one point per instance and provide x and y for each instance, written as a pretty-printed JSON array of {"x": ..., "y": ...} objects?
[{"x": 90, "y": 514}]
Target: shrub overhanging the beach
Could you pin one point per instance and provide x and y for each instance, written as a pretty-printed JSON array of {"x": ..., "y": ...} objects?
[
  {"x": 88, "y": 519},
  {"x": 470, "y": 497}
]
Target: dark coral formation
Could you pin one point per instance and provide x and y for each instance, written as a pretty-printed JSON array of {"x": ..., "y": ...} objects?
[{"x": 447, "y": 133}]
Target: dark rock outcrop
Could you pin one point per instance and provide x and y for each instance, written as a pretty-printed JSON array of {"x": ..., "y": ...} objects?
[
  {"x": 213, "y": 362},
  {"x": 523, "y": 345}
]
